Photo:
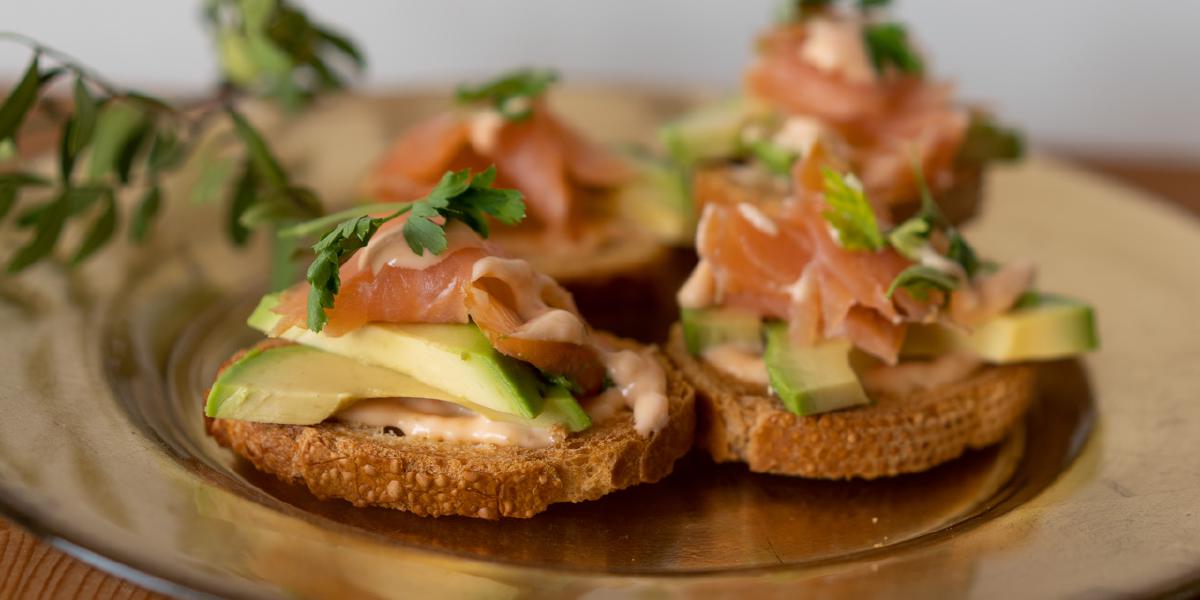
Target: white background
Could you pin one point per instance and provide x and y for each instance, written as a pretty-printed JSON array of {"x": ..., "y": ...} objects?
[{"x": 1105, "y": 77}]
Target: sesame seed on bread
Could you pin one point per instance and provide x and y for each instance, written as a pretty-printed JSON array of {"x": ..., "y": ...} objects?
[
  {"x": 366, "y": 466},
  {"x": 739, "y": 421}
]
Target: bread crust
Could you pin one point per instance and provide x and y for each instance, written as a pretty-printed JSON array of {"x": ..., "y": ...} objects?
[
  {"x": 741, "y": 422},
  {"x": 368, "y": 467}
]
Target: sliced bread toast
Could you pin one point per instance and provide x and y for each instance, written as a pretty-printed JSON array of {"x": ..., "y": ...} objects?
[
  {"x": 742, "y": 422},
  {"x": 366, "y": 466}
]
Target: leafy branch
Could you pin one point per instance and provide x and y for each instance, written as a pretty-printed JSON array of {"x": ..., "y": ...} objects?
[
  {"x": 132, "y": 140},
  {"x": 271, "y": 48},
  {"x": 459, "y": 196}
]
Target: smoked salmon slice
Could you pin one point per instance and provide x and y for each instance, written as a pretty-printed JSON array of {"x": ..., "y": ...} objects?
[
  {"x": 793, "y": 269},
  {"x": 885, "y": 123},
  {"x": 451, "y": 289},
  {"x": 550, "y": 163}
]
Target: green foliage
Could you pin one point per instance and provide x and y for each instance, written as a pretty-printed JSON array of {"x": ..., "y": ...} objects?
[
  {"x": 794, "y": 10},
  {"x": 920, "y": 280},
  {"x": 910, "y": 236},
  {"x": 775, "y": 158},
  {"x": 144, "y": 214},
  {"x": 272, "y": 48},
  {"x": 849, "y": 213},
  {"x": 511, "y": 94},
  {"x": 988, "y": 141},
  {"x": 131, "y": 140},
  {"x": 21, "y": 99},
  {"x": 457, "y": 197},
  {"x": 887, "y": 44}
]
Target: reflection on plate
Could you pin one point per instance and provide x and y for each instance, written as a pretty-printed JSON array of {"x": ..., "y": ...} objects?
[{"x": 102, "y": 448}]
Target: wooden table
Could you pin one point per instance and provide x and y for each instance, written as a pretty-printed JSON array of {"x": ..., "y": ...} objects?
[{"x": 30, "y": 569}]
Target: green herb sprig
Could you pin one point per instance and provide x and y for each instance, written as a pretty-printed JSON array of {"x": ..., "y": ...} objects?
[
  {"x": 270, "y": 48},
  {"x": 913, "y": 234},
  {"x": 849, "y": 213},
  {"x": 459, "y": 196},
  {"x": 131, "y": 140},
  {"x": 802, "y": 9},
  {"x": 987, "y": 141},
  {"x": 919, "y": 280},
  {"x": 511, "y": 94},
  {"x": 851, "y": 217},
  {"x": 888, "y": 46},
  {"x": 127, "y": 135}
]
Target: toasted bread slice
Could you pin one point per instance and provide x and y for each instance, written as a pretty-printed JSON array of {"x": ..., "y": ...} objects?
[
  {"x": 741, "y": 422},
  {"x": 368, "y": 467},
  {"x": 611, "y": 251},
  {"x": 728, "y": 183}
]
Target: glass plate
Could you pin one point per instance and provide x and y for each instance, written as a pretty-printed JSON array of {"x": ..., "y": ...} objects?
[{"x": 102, "y": 448}]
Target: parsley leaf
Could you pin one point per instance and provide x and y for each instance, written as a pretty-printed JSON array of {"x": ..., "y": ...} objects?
[
  {"x": 511, "y": 94},
  {"x": 887, "y": 44},
  {"x": 986, "y": 140},
  {"x": 775, "y": 158},
  {"x": 458, "y": 196},
  {"x": 919, "y": 280},
  {"x": 849, "y": 213},
  {"x": 962, "y": 253},
  {"x": 959, "y": 251},
  {"x": 910, "y": 236},
  {"x": 332, "y": 250}
]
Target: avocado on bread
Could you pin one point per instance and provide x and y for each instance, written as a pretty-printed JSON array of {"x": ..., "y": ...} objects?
[
  {"x": 825, "y": 342},
  {"x": 744, "y": 422},
  {"x": 452, "y": 357},
  {"x": 367, "y": 466},
  {"x": 300, "y": 385},
  {"x": 415, "y": 368}
]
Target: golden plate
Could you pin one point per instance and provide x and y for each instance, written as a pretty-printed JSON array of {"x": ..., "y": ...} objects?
[{"x": 102, "y": 449}]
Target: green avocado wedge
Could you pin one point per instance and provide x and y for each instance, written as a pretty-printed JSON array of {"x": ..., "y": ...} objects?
[
  {"x": 298, "y": 385},
  {"x": 1039, "y": 327},
  {"x": 710, "y": 132},
  {"x": 704, "y": 328},
  {"x": 457, "y": 359},
  {"x": 658, "y": 199},
  {"x": 810, "y": 380}
]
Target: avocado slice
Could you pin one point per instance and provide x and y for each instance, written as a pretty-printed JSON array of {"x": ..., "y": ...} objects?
[
  {"x": 773, "y": 157},
  {"x": 561, "y": 407},
  {"x": 455, "y": 358},
  {"x": 1039, "y": 327},
  {"x": 658, "y": 199},
  {"x": 710, "y": 132},
  {"x": 811, "y": 379},
  {"x": 704, "y": 328},
  {"x": 299, "y": 385}
]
